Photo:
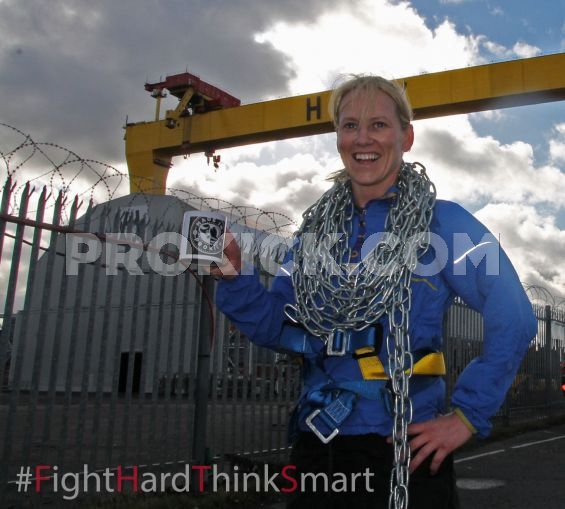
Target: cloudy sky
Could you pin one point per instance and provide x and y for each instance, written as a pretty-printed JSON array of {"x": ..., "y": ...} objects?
[{"x": 72, "y": 71}]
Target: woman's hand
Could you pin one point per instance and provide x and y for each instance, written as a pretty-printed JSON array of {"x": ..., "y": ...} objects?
[
  {"x": 438, "y": 437},
  {"x": 231, "y": 263}
]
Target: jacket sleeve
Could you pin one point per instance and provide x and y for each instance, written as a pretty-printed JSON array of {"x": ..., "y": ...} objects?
[
  {"x": 479, "y": 271},
  {"x": 256, "y": 311}
]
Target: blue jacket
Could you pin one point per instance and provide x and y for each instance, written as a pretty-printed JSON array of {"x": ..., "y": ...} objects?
[{"x": 465, "y": 261}]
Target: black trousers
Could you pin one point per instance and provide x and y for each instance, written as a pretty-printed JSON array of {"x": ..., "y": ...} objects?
[{"x": 345, "y": 461}]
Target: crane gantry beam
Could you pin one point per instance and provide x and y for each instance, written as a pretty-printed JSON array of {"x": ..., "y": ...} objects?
[{"x": 150, "y": 146}]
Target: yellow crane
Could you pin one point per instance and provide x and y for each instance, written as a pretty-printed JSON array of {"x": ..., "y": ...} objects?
[{"x": 208, "y": 119}]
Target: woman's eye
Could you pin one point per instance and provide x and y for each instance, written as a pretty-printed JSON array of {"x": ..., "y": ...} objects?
[
  {"x": 379, "y": 124},
  {"x": 349, "y": 125}
]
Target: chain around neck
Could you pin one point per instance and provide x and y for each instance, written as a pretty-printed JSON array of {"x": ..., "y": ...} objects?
[{"x": 333, "y": 293}]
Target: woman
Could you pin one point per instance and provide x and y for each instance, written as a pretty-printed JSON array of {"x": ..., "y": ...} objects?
[{"x": 379, "y": 245}]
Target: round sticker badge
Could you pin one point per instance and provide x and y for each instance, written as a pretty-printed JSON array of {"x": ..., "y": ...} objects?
[{"x": 206, "y": 235}]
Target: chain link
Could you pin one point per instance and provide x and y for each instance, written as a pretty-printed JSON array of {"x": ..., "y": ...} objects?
[{"x": 333, "y": 293}]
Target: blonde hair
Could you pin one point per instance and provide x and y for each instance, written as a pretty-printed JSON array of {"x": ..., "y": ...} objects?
[{"x": 370, "y": 85}]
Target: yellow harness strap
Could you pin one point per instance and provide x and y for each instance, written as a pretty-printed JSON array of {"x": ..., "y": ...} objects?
[{"x": 373, "y": 369}]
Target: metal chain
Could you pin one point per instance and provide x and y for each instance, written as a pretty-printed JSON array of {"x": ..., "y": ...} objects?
[
  {"x": 400, "y": 357},
  {"x": 401, "y": 364},
  {"x": 332, "y": 294}
]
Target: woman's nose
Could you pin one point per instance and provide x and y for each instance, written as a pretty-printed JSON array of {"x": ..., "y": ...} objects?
[{"x": 363, "y": 136}]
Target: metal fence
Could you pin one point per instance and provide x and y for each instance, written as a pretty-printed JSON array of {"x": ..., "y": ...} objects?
[{"x": 113, "y": 367}]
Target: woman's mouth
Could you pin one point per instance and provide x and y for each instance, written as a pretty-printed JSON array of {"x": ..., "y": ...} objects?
[{"x": 366, "y": 157}]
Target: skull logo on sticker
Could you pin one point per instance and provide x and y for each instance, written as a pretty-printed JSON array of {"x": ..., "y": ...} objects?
[{"x": 205, "y": 234}]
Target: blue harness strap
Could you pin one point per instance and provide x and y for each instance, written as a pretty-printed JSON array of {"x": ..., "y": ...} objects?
[
  {"x": 325, "y": 408},
  {"x": 325, "y": 404},
  {"x": 296, "y": 339}
]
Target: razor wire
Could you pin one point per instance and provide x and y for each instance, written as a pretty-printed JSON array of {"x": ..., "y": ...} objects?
[{"x": 47, "y": 165}]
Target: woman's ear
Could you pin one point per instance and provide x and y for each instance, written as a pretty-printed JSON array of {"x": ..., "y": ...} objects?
[{"x": 408, "y": 138}]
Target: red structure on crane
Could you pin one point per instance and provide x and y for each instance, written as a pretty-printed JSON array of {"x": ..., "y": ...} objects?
[{"x": 205, "y": 97}]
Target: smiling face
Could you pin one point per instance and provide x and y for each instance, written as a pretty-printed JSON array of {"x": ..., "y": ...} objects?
[{"x": 371, "y": 142}]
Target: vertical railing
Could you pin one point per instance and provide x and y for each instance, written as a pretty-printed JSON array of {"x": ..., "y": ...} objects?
[
  {"x": 535, "y": 393},
  {"x": 13, "y": 401}
]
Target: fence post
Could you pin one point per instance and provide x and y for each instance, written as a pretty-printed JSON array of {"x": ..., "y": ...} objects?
[
  {"x": 203, "y": 374},
  {"x": 6, "y": 327},
  {"x": 548, "y": 358}
]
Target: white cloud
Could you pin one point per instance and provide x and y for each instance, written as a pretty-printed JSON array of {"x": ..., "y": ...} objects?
[
  {"x": 375, "y": 37},
  {"x": 495, "y": 10},
  {"x": 490, "y": 115},
  {"x": 520, "y": 49},
  {"x": 557, "y": 144},
  {"x": 472, "y": 169},
  {"x": 496, "y": 49},
  {"x": 468, "y": 167},
  {"x": 533, "y": 242},
  {"x": 524, "y": 50},
  {"x": 258, "y": 176}
]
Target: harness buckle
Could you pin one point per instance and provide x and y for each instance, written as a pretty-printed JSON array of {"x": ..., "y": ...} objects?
[
  {"x": 323, "y": 438},
  {"x": 336, "y": 344}
]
